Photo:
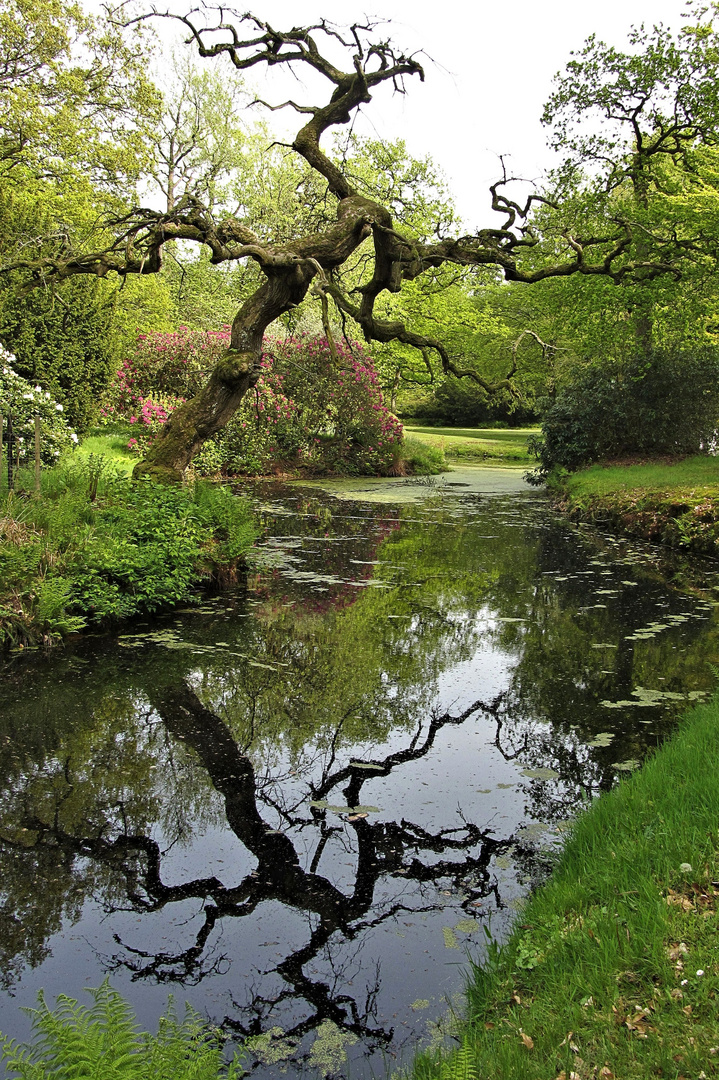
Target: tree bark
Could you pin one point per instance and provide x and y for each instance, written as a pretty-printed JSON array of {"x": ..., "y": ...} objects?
[{"x": 189, "y": 426}]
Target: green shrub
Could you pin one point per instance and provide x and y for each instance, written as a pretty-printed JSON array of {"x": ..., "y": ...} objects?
[
  {"x": 23, "y": 402},
  {"x": 666, "y": 403},
  {"x": 101, "y": 1042},
  {"x": 97, "y": 547},
  {"x": 64, "y": 342},
  {"x": 307, "y": 410}
]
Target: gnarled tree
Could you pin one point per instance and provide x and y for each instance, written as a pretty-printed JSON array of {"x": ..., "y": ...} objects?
[{"x": 291, "y": 269}]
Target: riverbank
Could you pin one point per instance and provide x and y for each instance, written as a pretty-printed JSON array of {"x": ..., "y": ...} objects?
[
  {"x": 92, "y": 548},
  {"x": 96, "y": 548},
  {"x": 614, "y": 969},
  {"x": 670, "y": 502}
]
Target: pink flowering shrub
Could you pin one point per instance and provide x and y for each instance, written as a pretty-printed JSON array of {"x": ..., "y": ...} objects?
[
  {"x": 308, "y": 412},
  {"x": 304, "y": 411},
  {"x": 161, "y": 373}
]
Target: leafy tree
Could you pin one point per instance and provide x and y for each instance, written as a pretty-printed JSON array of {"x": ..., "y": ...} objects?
[
  {"x": 76, "y": 108},
  {"x": 602, "y": 223}
]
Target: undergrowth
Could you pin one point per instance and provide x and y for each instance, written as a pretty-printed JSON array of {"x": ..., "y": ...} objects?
[
  {"x": 96, "y": 547},
  {"x": 101, "y": 1042}
]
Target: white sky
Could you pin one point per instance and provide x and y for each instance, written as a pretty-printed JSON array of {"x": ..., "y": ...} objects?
[{"x": 490, "y": 72}]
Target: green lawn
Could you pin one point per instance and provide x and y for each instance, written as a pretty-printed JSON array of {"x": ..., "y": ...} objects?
[
  {"x": 110, "y": 443},
  {"x": 698, "y": 474},
  {"x": 507, "y": 446}
]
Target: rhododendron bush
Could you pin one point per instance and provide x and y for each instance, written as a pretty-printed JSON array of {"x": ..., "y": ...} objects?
[
  {"x": 306, "y": 410},
  {"x": 21, "y": 401}
]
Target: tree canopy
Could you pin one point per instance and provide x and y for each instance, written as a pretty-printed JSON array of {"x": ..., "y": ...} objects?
[{"x": 621, "y": 208}]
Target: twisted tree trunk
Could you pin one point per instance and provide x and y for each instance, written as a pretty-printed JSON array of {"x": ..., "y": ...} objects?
[{"x": 189, "y": 426}]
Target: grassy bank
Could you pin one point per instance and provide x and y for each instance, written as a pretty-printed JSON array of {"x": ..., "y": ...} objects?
[
  {"x": 95, "y": 547},
  {"x": 675, "y": 503},
  {"x": 482, "y": 445},
  {"x": 614, "y": 969}
]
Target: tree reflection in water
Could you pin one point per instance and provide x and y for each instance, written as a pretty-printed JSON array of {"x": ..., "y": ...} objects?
[
  {"x": 262, "y": 730},
  {"x": 403, "y": 850}
]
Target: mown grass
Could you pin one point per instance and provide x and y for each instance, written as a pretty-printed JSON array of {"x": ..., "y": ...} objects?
[
  {"x": 614, "y": 968},
  {"x": 699, "y": 474},
  {"x": 110, "y": 443},
  {"x": 505, "y": 446}
]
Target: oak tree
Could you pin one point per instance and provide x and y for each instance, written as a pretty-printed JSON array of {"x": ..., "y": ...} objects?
[{"x": 534, "y": 240}]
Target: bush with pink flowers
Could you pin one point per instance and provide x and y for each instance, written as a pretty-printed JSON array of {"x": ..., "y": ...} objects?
[{"x": 307, "y": 411}]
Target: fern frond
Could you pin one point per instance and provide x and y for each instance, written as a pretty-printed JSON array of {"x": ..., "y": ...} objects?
[{"x": 461, "y": 1066}]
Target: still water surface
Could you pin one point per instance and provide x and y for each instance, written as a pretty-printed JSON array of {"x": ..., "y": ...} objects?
[{"x": 301, "y": 806}]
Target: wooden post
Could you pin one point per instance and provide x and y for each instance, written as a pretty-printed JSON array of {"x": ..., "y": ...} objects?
[
  {"x": 9, "y": 451},
  {"x": 37, "y": 456}
]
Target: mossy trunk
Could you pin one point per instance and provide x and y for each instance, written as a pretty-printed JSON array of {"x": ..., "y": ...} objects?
[{"x": 189, "y": 426}]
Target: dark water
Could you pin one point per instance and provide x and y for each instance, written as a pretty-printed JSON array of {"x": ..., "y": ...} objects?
[{"x": 300, "y": 806}]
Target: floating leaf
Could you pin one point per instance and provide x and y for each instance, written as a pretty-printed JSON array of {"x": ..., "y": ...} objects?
[
  {"x": 604, "y": 738},
  {"x": 626, "y": 766},
  {"x": 420, "y": 1003},
  {"x": 450, "y": 938},
  {"x": 467, "y": 926},
  {"x": 540, "y": 774},
  {"x": 322, "y": 804}
]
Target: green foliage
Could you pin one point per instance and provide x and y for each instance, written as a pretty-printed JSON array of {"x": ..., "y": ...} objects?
[
  {"x": 101, "y": 1042},
  {"x": 463, "y": 403},
  {"x": 97, "y": 548},
  {"x": 65, "y": 342},
  {"x": 76, "y": 103},
  {"x": 23, "y": 402},
  {"x": 664, "y": 403}
]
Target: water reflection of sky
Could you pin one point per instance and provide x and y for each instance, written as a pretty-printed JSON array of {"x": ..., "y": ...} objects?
[{"x": 298, "y": 806}]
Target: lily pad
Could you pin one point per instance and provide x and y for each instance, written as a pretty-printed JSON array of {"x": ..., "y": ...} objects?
[{"x": 540, "y": 774}]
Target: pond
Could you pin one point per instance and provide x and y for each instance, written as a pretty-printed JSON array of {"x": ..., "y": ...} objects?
[{"x": 301, "y": 805}]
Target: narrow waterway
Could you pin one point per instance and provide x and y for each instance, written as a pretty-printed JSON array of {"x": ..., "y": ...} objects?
[{"x": 301, "y": 806}]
